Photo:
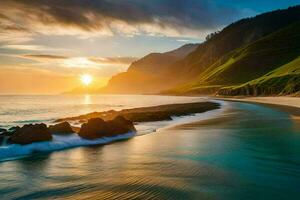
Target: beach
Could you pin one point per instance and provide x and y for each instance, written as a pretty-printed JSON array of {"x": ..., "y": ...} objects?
[{"x": 283, "y": 103}]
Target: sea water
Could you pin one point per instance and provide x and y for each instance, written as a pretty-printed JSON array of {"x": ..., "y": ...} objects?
[
  {"x": 19, "y": 110},
  {"x": 244, "y": 151}
]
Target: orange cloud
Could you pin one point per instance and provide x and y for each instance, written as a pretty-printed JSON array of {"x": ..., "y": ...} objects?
[{"x": 34, "y": 81}]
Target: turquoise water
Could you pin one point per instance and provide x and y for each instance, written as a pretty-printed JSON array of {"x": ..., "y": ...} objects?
[{"x": 247, "y": 152}]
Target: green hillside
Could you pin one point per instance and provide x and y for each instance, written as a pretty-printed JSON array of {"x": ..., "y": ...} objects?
[
  {"x": 240, "y": 55},
  {"x": 229, "y": 57},
  {"x": 272, "y": 56},
  {"x": 283, "y": 81},
  {"x": 212, "y": 52}
]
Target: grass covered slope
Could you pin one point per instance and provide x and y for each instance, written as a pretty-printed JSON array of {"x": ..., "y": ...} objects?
[
  {"x": 283, "y": 81},
  {"x": 275, "y": 55}
]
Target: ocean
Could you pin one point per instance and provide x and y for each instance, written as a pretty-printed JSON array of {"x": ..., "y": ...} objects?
[
  {"x": 242, "y": 151},
  {"x": 18, "y": 109}
]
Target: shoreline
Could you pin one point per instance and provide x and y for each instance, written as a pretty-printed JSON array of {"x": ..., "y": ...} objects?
[
  {"x": 290, "y": 105},
  {"x": 66, "y": 141}
]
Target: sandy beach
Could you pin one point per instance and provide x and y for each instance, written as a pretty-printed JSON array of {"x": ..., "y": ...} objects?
[{"x": 287, "y": 104}]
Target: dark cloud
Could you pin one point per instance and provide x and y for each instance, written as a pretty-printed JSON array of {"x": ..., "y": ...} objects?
[
  {"x": 113, "y": 60},
  {"x": 44, "y": 56},
  {"x": 91, "y": 15}
]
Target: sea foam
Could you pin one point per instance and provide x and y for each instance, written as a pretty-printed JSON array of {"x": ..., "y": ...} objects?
[{"x": 59, "y": 142}]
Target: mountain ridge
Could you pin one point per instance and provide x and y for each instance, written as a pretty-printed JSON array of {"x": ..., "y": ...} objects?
[
  {"x": 142, "y": 77},
  {"x": 243, "y": 51}
]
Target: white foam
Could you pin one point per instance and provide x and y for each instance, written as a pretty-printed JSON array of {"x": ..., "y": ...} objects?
[
  {"x": 60, "y": 142},
  {"x": 14, "y": 151}
]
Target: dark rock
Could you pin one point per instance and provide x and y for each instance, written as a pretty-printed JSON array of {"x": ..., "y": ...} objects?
[
  {"x": 13, "y": 129},
  {"x": 148, "y": 114},
  {"x": 31, "y": 133},
  {"x": 2, "y": 130},
  {"x": 61, "y": 128},
  {"x": 98, "y": 128},
  {"x": 120, "y": 125},
  {"x": 1, "y": 139},
  {"x": 93, "y": 129}
]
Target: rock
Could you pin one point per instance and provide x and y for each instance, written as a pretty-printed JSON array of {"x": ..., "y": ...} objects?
[
  {"x": 13, "y": 129},
  {"x": 61, "y": 128},
  {"x": 3, "y": 133},
  {"x": 148, "y": 116},
  {"x": 1, "y": 139},
  {"x": 30, "y": 133},
  {"x": 2, "y": 130},
  {"x": 93, "y": 129},
  {"x": 120, "y": 125},
  {"x": 98, "y": 128}
]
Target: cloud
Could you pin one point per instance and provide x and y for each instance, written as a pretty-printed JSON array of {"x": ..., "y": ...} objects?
[
  {"x": 83, "y": 60},
  {"x": 43, "y": 57},
  {"x": 25, "y": 47},
  {"x": 91, "y": 18},
  {"x": 103, "y": 66},
  {"x": 113, "y": 60},
  {"x": 10, "y": 32}
]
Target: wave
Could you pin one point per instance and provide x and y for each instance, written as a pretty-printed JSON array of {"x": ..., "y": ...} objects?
[
  {"x": 60, "y": 142},
  {"x": 16, "y": 151}
]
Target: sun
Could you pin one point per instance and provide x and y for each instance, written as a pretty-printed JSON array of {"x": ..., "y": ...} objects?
[{"x": 86, "y": 79}]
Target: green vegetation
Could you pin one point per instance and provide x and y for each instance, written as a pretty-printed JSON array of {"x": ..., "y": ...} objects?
[
  {"x": 268, "y": 66},
  {"x": 283, "y": 81}
]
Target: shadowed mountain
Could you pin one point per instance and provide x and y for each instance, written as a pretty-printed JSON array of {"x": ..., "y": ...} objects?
[{"x": 146, "y": 75}]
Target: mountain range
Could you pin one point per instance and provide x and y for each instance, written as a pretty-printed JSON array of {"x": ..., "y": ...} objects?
[{"x": 253, "y": 56}]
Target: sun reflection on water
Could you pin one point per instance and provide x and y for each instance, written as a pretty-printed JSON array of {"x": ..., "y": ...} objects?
[{"x": 87, "y": 99}]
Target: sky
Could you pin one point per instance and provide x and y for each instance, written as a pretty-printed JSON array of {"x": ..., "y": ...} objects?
[{"x": 46, "y": 45}]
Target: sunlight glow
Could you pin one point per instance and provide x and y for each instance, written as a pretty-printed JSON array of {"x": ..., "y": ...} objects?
[{"x": 86, "y": 79}]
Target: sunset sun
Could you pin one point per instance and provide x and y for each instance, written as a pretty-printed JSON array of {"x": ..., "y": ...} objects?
[
  {"x": 161, "y": 99},
  {"x": 86, "y": 79}
]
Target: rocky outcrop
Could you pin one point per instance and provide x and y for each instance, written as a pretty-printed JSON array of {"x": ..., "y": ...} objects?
[
  {"x": 61, "y": 128},
  {"x": 2, "y": 130},
  {"x": 149, "y": 114},
  {"x": 30, "y": 133},
  {"x": 93, "y": 129},
  {"x": 120, "y": 125},
  {"x": 98, "y": 128},
  {"x": 2, "y": 135}
]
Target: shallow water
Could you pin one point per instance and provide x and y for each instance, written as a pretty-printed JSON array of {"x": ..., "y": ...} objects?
[{"x": 246, "y": 152}]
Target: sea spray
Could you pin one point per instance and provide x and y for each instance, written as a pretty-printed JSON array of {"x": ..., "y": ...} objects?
[
  {"x": 60, "y": 142},
  {"x": 14, "y": 151}
]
